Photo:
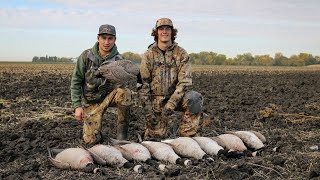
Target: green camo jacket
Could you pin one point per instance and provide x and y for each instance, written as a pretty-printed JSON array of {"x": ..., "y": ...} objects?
[{"x": 79, "y": 73}]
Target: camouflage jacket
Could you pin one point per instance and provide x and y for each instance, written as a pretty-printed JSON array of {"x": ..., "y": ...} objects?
[
  {"x": 85, "y": 83},
  {"x": 166, "y": 76}
]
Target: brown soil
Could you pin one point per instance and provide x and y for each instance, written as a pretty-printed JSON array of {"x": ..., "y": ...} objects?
[{"x": 283, "y": 105}]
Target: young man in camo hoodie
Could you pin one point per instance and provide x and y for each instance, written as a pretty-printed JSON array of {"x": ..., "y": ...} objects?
[
  {"x": 91, "y": 92},
  {"x": 166, "y": 79}
]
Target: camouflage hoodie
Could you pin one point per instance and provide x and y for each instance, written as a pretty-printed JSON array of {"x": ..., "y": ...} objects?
[
  {"x": 81, "y": 69},
  {"x": 166, "y": 76}
]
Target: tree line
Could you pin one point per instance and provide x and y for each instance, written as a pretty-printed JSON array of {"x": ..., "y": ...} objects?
[
  {"x": 247, "y": 59},
  {"x": 52, "y": 59},
  {"x": 212, "y": 58}
]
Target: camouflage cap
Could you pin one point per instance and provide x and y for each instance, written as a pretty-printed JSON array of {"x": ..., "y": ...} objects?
[
  {"x": 107, "y": 29},
  {"x": 164, "y": 22}
]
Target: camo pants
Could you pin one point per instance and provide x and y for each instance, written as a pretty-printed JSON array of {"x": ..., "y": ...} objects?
[
  {"x": 156, "y": 125},
  {"x": 94, "y": 113}
]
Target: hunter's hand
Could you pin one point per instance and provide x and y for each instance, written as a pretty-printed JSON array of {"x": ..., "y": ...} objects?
[
  {"x": 79, "y": 112},
  {"x": 168, "y": 109}
]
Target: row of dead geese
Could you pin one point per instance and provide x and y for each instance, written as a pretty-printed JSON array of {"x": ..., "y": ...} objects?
[{"x": 174, "y": 151}]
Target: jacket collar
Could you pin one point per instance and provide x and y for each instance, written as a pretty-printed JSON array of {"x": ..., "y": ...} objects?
[
  {"x": 113, "y": 52},
  {"x": 154, "y": 46}
]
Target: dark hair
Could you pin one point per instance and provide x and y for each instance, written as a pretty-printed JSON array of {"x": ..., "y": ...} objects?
[{"x": 155, "y": 34}]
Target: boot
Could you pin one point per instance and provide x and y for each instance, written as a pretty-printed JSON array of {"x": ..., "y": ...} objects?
[
  {"x": 123, "y": 122},
  {"x": 156, "y": 127}
]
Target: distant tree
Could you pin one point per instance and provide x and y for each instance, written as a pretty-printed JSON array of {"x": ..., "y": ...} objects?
[
  {"x": 42, "y": 59},
  {"x": 294, "y": 60},
  {"x": 280, "y": 60},
  {"x": 229, "y": 61},
  {"x": 132, "y": 56},
  {"x": 35, "y": 59},
  {"x": 307, "y": 59},
  {"x": 66, "y": 60},
  {"x": 203, "y": 57},
  {"x": 263, "y": 60},
  {"x": 193, "y": 57},
  {"x": 244, "y": 59},
  {"x": 310, "y": 61},
  {"x": 50, "y": 59},
  {"x": 207, "y": 58},
  {"x": 317, "y": 59},
  {"x": 220, "y": 59},
  {"x": 198, "y": 62}
]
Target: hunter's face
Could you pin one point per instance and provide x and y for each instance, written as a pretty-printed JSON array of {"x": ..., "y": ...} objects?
[
  {"x": 164, "y": 33},
  {"x": 106, "y": 42}
]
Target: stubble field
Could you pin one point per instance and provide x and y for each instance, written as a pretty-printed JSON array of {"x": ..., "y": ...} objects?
[{"x": 281, "y": 103}]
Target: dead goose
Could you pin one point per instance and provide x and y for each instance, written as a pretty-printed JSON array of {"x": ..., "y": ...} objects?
[
  {"x": 231, "y": 142},
  {"x": 131, "y": 150},
  {"x": 164, "y": 152},
  {"x": 209, "y": 146},
  {"x": 119, "y": 72},
  {"x": 135, "y": 151},
  {"x": 72, "y": 158},
  {"x": 260, "y": 136},
  {"x": 187, "y": 147},
  {"x": 219, "y": 141},
  {"x": 249, "y": 138},
  {"x": 109, "y": 155}
]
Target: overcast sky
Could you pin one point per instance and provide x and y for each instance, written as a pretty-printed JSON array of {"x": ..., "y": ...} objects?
[{"x": 65, "y": 28}]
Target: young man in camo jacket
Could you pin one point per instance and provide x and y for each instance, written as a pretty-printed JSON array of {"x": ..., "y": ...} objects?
[
  {"x": 166, "y": 79},
  {"x": 90, "y": 92}
]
